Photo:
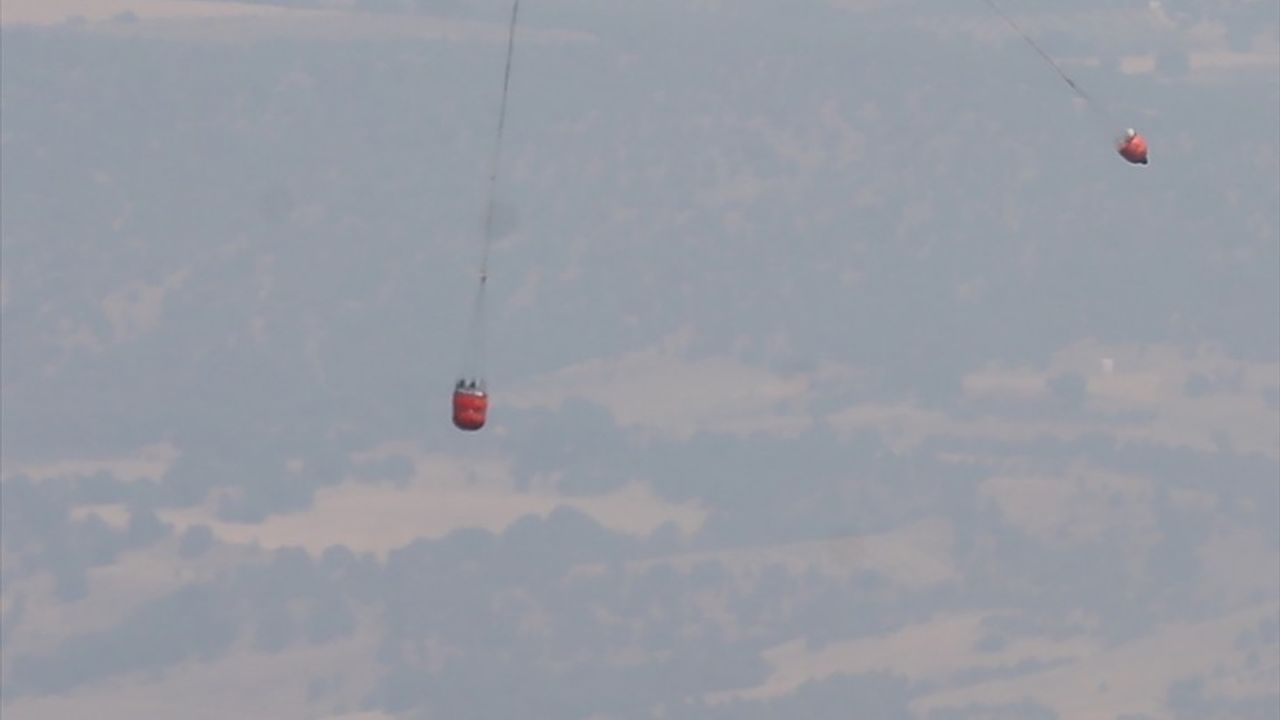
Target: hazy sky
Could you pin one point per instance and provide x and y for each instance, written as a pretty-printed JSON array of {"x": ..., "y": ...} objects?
[{"x": 838, "y": 363}]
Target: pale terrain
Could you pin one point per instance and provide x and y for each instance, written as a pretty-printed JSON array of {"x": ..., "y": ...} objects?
[{"x": 836, "y": 362}]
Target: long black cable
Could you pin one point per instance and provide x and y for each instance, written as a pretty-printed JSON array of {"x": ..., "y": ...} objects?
[
  {"x": 1040, "y": 51},
  {"x": 497, "y": 145},
  {"x": 476, "y": 346}
]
